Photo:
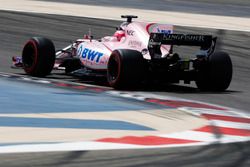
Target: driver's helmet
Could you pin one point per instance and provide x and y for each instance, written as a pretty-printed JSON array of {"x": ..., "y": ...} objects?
[{"x": 119, "y": 34}]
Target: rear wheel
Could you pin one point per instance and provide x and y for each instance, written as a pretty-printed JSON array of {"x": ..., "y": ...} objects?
[
  {"x": 126, "y": 69},
  {"x": 217, "y": 75},
  {"x": 38, "y": 56}
]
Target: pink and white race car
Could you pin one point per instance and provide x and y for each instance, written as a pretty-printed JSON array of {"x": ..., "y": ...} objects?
[{"x": 136, "y": 53}]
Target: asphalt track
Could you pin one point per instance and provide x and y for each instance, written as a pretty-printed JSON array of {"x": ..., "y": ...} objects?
[
  {"x": 231, "y": 155},
  {"x": 16, "y": 28}
]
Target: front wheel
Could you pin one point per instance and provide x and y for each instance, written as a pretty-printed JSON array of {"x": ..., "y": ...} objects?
[
  {"x": 38, "y": 57},
  {"x": 126, "y": 69},
  {"x": 217, "y": 75}
]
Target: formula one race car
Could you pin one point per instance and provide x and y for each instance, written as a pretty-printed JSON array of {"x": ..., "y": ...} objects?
[{"x": 136, "y": 53}]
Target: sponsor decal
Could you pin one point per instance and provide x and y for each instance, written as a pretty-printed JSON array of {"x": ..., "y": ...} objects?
[
  {"x": 160, "y": 28},
  {"x": 181, "y": 37},
  {"x": 164, "y": 31},
  {"x": 89, "y": 54},
  {"x": 134, "y": 43},
  {"x": 130, "y": 32}
]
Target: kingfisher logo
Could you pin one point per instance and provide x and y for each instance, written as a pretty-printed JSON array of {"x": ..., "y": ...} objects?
[{"x": 88, "y": 54}]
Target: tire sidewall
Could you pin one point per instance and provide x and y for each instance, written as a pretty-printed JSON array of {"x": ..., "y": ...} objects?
[
  {"x": 116, "y": 55},
  {"x": 217, "y": 74},
  {"x": 34, "y": 45},
  {"x": 130, "y": 71},
  {"x": 44, "y": 56}
]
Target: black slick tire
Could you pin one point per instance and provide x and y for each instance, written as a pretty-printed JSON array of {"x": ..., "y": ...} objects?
[
  {"x": 217, "y": 75},
  {"x": 126, "y": 69},
  {"x": 38, "y": 57}
]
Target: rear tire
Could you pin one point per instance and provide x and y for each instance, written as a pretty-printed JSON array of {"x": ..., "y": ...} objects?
[
  {"x": 38, "y": 56},
  {"x": 126, "y": 69},
  {"x": 217, "y": 75}
]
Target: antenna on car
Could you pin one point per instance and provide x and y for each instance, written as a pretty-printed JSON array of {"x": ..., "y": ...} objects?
[
  {"x": 129, "y": 17},
  {"x": 90, "y": 35}
]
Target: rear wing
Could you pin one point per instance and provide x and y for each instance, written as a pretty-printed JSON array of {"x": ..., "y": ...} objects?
[{"x": 206, "y": 42}]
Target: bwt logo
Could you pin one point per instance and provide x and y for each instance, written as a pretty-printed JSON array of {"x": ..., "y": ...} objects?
[
  {"x": 89, "y": 54},
  {"x": 164, "y": 31}
]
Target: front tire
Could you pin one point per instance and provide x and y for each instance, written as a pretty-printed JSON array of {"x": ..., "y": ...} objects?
[
  {"x": 126, "y": 69},
  {"x": 217, "y": 75},
  {"x": 38, "y": 57}
]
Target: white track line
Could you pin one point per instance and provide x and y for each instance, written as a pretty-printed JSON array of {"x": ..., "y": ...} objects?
[
  {"x": 204, "y": 136},
  {"x": 212, "y": 111},
  {"x": 229, "y": 124}
]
